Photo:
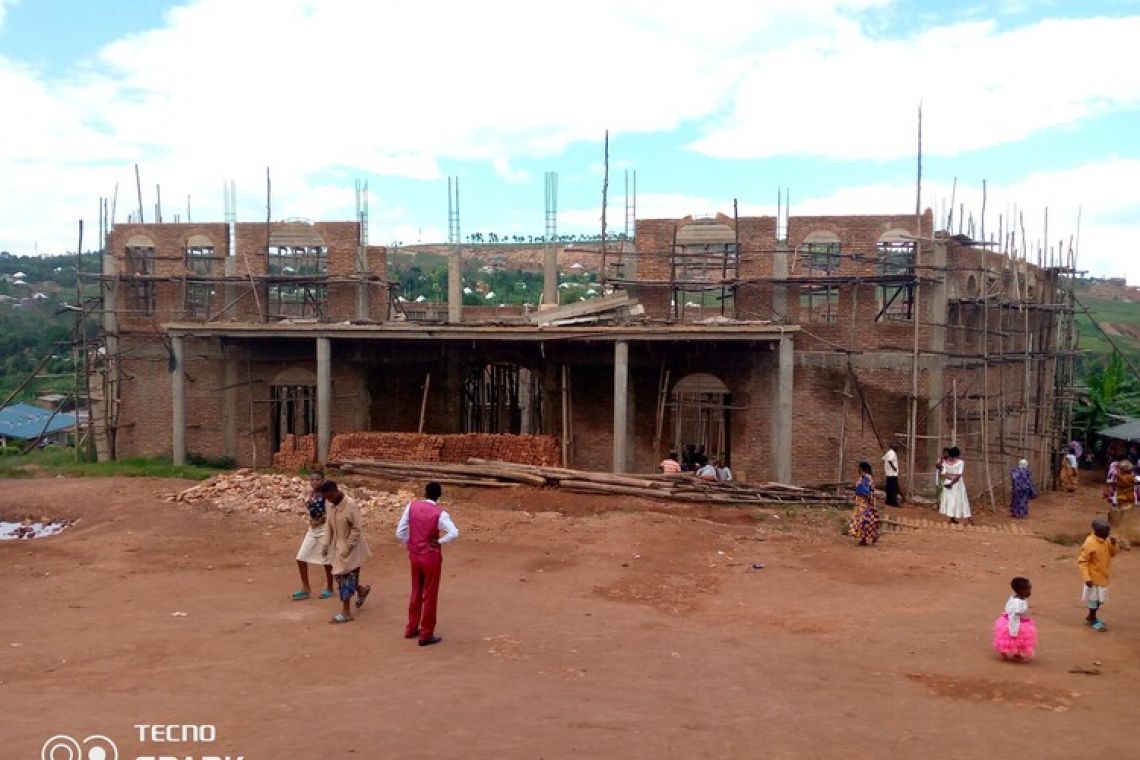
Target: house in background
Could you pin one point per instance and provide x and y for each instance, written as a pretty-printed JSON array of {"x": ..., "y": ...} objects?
[{"x": 25, "y": 423}]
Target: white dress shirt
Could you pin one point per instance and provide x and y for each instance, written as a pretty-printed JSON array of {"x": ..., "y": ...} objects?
[
  {"x": 891, "y": 464},
  {"x": 450, "y": 532}
]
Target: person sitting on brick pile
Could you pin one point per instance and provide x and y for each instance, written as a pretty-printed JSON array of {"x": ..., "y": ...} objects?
[
  {"x": 669, "y": 465},
  {"x": 723, "y": 474},
  {"x": 708, "y": 472}
]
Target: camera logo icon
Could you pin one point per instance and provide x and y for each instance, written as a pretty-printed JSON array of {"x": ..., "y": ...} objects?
[{"x": 94, "y": 747}]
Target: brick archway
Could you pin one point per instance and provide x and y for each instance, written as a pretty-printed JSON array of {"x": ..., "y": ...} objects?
[{"x": 701, "y": 416}]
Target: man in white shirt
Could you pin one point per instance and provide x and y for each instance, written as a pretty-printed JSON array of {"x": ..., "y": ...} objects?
[
  {"x": 424, "y": 528},
  {"x": 723, "y": 474},
  {"x": 891, "y": 470}
]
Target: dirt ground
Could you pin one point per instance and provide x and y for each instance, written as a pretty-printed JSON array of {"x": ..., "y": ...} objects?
[{"x": 573, "y": 626}]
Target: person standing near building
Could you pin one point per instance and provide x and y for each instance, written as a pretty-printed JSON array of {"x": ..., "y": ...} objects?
[
  {"x": 1125, "y": 485},
  {"x": 424, "y": 528},
  {"x": 1069, "y": 473},
  {"x": 315, "y": 546},
  {"x": 1022, "y": 491},
  {"x": 347, "y": 549},
  {"x": 955, "y": 502},
  {"x": 864, "y": 522},
  {"x": 938, "y": 474},
  {"x": 891, "y": 473}
]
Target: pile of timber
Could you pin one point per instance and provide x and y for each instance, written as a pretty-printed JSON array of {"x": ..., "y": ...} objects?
[{"x": 683, "y": 487}]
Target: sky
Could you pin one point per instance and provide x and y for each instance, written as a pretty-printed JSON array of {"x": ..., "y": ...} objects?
[{"x": 708, "y": 102}]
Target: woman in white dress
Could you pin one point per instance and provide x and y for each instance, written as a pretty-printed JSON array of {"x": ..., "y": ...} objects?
[{"x": 955, "y": 502}]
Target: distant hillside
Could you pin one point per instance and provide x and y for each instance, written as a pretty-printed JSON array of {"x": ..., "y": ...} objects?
[
  {"x": 34, "y": 322},
  {"x": 524, "y": 256},
  {"x": 1119, "y": 318}
]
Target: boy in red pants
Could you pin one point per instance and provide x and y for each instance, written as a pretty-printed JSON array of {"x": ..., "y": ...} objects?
[{"x": 424, "y": 528}]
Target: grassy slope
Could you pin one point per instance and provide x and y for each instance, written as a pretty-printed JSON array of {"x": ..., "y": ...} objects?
[{"x": 1104, "y": 311}]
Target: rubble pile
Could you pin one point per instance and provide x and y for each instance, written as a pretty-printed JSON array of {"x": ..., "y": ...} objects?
[{"x": 256, "y": 493}]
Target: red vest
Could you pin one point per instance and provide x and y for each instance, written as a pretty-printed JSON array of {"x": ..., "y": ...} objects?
[{"x": 423, "y": 528}]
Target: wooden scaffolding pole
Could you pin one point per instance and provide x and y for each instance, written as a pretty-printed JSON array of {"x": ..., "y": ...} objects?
[{"x": 912, "y": 421}]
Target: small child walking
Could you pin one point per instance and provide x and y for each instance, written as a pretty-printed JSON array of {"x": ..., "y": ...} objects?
[
  {"x": 1015, "y": 635},
  {"x": 1095, "y": 562}
]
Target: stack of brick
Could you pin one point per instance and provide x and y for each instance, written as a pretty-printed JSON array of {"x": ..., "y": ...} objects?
[
  {"x": 297, "y": 452},
  {"x": 301, "y": 451},
  {"x": 391, "y": 447}
]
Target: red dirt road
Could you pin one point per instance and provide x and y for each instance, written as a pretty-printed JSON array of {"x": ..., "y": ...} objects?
[{"x": 584, "y": 628}]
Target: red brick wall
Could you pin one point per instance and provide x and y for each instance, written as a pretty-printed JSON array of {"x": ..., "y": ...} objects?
[
  {"x": 341, "y": 239},
  {"x": 412, "y": 447}
]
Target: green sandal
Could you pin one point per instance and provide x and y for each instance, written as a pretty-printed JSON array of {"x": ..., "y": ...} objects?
[
  {"x": 326, "y": 594},
  {"x": 1099, "y": 626},
  {"x": 300, "y": 596}
]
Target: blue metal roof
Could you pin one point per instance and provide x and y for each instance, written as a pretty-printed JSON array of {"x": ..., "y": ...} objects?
[{"x": 26, "y": 422}]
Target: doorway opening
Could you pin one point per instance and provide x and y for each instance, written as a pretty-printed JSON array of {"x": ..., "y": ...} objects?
[
  {"x": 701, "y": 406},
  {"x": 501, "y": 398},
  {"x": 293, "y": 410}
]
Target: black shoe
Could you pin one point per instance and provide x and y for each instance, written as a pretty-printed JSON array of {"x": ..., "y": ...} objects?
[{"x": 429, "y": 642}]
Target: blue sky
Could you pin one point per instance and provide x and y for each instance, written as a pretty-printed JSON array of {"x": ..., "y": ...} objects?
[{"x": 728, "y": 100}]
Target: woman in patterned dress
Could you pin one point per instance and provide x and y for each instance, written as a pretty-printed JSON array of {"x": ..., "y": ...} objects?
[
  {"x": 865, "y": 517},
  {"x": 1022, "y": 490}
]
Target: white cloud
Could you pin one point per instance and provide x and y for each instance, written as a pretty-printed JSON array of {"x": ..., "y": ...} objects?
[
  {"x": 504, "y": 169},
  {"x": 324, "y": 91},
  {"x": 846, "y": 95}
]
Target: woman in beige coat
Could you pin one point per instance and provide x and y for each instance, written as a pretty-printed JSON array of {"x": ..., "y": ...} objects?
[{"x": 347, "y": 549}]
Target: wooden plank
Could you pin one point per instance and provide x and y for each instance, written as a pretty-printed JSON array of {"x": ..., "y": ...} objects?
[{"x": 581, "y": 308}]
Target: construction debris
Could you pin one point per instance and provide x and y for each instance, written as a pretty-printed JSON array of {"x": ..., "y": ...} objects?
[
  {"x": 250, "y": 492},
  {"x": 618, "y": 306},
  {"x": 682, "y": 487}
]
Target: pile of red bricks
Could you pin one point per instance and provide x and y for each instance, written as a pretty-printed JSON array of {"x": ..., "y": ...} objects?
[
  {"x": 297, "y": 452},
  {"x": 301, "y": 451}
]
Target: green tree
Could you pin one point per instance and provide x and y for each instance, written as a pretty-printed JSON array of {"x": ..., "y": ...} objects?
[{"x": 1110, "y": 389}]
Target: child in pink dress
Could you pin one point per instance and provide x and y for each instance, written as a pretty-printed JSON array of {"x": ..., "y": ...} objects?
[{"x": 1015, "y": 635}]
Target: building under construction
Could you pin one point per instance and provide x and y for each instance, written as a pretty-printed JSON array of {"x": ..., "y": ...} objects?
[{"x": 793, "y": 346}]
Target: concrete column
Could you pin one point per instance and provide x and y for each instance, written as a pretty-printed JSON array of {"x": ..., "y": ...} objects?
[
  {"x": 229, "y": 400},
  {"x": 550, "y": 276},
  {"x": 362, "y": 300},
  {"x": 935, "y": 298},
  {"x": 782, "y": 419},
  {"x": 621, "y": 397},
  {"x": 324, "y": 399},
  {"x": 780, "y": 269},
  {"x": 178, "y": 399},
  {"x": 228, "y": 308},
  {"x": 454, "y": 289}
]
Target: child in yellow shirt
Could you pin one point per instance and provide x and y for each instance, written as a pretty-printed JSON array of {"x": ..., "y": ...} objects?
[{"x": 1095, "y": 560}]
